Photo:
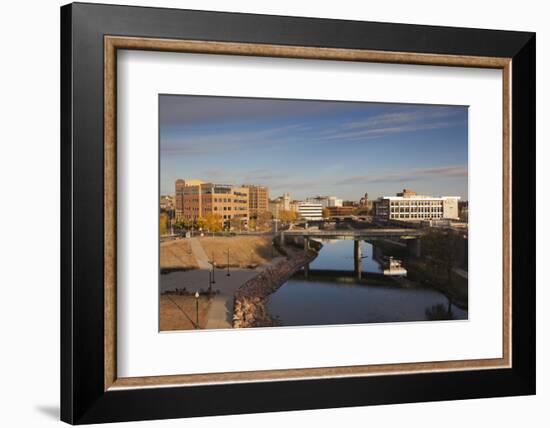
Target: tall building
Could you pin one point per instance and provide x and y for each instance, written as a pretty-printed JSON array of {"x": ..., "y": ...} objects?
[
  {"x": 310, "y": 211},
  {"x": 178, "y": 202},
  {"x": 258, "y": 200},
  {"x": 196, "y": 199},
  {"x": 410, "y": 206}
]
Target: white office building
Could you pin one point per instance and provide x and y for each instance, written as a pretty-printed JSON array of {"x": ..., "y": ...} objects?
[
  {"x": 310, "y": 211},
  {"x": 409, "y": 206}
]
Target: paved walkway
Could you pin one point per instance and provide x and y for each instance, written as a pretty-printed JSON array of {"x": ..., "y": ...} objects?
[
  {"x": 200, "y": 255},
  {"x": 221, "y": 307}
]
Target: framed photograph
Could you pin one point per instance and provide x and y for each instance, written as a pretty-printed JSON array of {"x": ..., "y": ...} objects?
[{"x": 265, "y": 213}]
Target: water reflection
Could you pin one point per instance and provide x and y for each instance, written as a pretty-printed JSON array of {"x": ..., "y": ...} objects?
[
  {"x": 338, "y": 255},
  {"x": 324, "y": 298}
]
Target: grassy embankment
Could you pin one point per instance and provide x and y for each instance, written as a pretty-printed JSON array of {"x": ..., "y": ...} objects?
[
  {"x": 177, "y": 255},
  {"x": 244, "y": 252}
]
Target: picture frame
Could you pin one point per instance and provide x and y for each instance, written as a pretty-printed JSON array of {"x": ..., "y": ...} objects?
[{"x": 91, "y": 391}]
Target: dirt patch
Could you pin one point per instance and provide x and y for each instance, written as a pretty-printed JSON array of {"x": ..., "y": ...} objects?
[
  {"x": 180, "y": 312},
  {"x": 244, "y": 251}
]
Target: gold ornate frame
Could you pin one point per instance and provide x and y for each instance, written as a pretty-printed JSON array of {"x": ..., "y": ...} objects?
[{"x": 113, "y": 43}]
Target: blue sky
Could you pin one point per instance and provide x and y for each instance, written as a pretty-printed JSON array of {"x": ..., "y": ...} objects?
[{"x": 313, "y": 148}]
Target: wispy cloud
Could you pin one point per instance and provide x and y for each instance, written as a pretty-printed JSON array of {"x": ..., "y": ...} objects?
[
  {"x": 221, "y": 141},
  {"x": 452, "y": 171},
  {"x": 394, "y": 123}
]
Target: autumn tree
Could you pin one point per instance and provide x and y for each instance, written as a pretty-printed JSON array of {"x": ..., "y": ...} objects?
[
  {"x": 163, "y": 223},
  {"x": 264, "y": 221},
  {"x": 200, "y": 223},
  {"x": 288, "y": 216},
  {"x": 213, "y": 222}
]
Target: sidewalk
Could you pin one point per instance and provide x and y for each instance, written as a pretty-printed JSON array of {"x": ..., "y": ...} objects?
[{"x": 200, "y": 255}]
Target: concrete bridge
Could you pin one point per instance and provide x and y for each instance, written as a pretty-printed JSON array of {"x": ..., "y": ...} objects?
[{"x": 357, "y": 235}]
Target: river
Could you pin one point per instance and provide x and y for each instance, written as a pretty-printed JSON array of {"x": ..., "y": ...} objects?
[{"x": 338, "y": 298}]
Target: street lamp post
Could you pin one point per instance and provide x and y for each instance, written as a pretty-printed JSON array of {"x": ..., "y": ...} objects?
[
  {"x": 228, "y": 274},
  {"x": 213, "y": 271},
  {"x": 197, "y": 307}
]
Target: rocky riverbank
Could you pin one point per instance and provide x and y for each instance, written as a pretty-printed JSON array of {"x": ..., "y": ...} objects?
[{"x": 250, "y": 299}]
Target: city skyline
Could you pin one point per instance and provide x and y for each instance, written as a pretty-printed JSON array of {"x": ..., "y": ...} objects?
[{"x": 309, "y": 148}]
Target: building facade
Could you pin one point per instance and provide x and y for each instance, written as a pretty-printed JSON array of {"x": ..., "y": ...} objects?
[
  {"x": 409, "y": 206},
  {"x": 340, "y": 211},
  {"x": 310, "y": 211},
  {"x": 326, "y": 201},
  {"x": 258, "y": 200},
  {"x": 196, "y": 199}
]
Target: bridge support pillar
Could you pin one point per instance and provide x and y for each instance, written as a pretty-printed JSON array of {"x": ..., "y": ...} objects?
[
  {"x": 357, "y": 256},
  {"x": 282, "y": 238},
  {"x": 414, "y": 248}
]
